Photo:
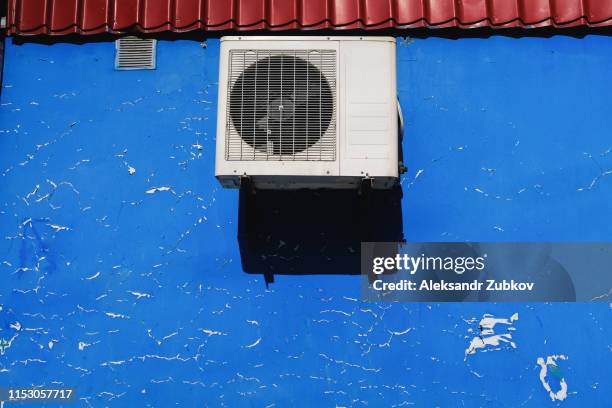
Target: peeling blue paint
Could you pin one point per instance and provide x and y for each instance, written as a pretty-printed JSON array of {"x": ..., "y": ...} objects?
[{"x": 121, "y": 271}]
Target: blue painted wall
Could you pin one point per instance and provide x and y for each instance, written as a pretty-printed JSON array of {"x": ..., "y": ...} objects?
[{"x": 140, "y": 299}]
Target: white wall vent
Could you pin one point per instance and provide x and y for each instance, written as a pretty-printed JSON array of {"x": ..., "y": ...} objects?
[
  {"x": 307, "y": 112},
  {"x": 135, "y": 53}
]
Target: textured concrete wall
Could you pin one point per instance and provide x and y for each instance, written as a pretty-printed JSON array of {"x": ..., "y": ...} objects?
[{"x": 121, "y": 270}]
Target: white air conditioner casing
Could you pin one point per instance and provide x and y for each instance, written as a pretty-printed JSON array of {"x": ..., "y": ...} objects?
[{"x": 307, "y": 112}]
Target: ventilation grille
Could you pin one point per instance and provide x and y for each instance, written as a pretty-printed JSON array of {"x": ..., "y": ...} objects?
[
  {"x": 135, "y": 53},
  {"x": 281, "y": 105}
]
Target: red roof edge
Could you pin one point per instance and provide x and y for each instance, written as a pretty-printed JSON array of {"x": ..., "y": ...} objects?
[{"x": 84, "y": 17}]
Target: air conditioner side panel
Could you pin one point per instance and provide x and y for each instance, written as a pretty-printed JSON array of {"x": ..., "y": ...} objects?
[{"x": 368, "y": 109}]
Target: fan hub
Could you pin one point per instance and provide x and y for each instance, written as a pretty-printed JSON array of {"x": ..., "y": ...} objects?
[{"x": 281, "y": 109}]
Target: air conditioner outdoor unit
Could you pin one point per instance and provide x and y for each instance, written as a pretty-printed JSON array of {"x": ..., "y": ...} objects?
[{"x": 307, "y": 112}]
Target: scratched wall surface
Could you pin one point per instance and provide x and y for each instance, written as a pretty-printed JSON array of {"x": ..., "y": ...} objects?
[{"x": 121, "y": 272}]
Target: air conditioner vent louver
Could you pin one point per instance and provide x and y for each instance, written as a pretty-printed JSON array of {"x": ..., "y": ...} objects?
[
  {"x": 281, "y": 105},
  {"x": 135, "y": 53}
]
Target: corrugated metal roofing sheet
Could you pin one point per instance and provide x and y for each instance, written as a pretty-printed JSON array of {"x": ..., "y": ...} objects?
[{"x": 57, "y": 17}]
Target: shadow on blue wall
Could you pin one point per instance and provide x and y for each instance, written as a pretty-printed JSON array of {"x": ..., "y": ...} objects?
[{"x": 307, "y": 232}]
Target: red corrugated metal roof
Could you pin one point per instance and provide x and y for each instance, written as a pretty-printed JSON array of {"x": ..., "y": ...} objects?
[{"x": 56, "y": 17}]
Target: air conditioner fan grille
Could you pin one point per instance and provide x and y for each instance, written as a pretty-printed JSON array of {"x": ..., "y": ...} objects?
[{"x": 281, "y": 105}]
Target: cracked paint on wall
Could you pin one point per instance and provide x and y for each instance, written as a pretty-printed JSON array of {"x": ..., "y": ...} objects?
[
  {"x": 487, "y": 338},
  {"x": 121, "y": 272}
]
